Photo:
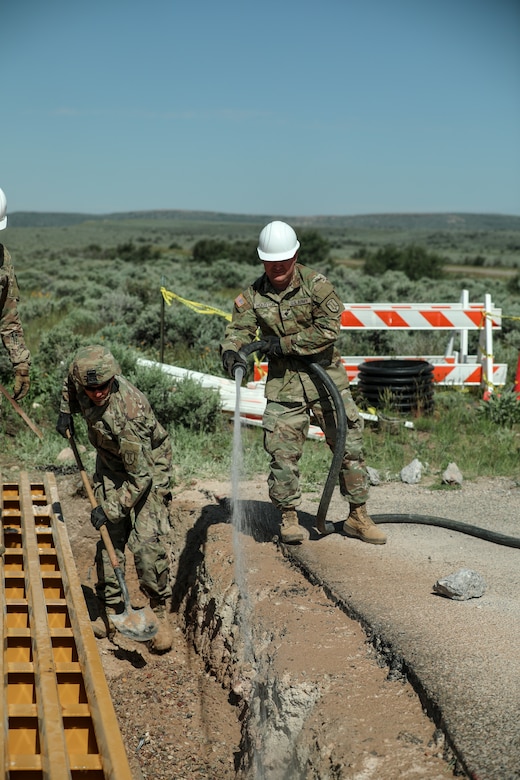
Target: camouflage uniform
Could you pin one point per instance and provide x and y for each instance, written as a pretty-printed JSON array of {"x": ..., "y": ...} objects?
[
  {"x": 306, "y": 317},
  {"x": 11, "y": 330},
  {"x": 131, "y": 483}
]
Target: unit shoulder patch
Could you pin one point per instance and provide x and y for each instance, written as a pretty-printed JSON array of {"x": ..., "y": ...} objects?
[{"x": 130, "y": 452}]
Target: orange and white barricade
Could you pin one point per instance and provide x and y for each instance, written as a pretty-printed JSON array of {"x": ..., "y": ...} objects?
[{"x": 457, "y": 319}]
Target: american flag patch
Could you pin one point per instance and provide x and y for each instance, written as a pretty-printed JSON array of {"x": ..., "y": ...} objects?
[{"x": 239, "y": 301}]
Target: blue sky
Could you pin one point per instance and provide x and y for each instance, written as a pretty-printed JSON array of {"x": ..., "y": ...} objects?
[{"x": 279, "y": 107}]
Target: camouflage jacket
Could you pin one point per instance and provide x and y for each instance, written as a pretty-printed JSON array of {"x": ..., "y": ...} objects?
[
  {"x": 11, "y": 330},
  {"x": 306, "y": 316},
  {"x": 133, "y": 448}
]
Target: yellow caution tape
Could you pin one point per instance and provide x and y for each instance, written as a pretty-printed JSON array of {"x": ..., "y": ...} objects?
[{"x": 200, "y": 308}]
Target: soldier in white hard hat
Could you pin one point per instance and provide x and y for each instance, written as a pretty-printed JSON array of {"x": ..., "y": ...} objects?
[
  {"x": 298, "y": 314},
  {"x": 11, "y": 330},
  {"x": 132, "y": 481}
]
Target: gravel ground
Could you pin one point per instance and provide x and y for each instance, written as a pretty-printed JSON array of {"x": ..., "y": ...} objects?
[{"x": 463, "y": 654}]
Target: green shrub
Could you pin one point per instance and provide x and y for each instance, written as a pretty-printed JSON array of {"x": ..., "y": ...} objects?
[
  {"x": 415, "y": 261},
  {"x": 130, "y": 253},
  {"x": 209, "y": 250},
  {"x": 117, "y": 306},
  {"x": 314, "y": 248},
  {"x": 502, "y": 408},
  {"x": 50, "y": 364},
  {"x": 177, "y": 402},
  {"x": 227, "y": 274},
  {"x": 146, "y": 331}
]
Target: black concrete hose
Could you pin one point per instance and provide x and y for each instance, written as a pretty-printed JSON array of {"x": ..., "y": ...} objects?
[{"x": 452, "y": 525}]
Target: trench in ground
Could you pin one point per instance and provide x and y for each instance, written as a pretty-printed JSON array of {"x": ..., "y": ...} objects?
[{"x": 315, "y": 692}]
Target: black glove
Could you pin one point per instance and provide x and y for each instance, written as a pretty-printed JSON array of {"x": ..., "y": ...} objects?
[
  {"x": 272, "y": 348},
  {"x": 232, "y": 360},
  {"x": 167, "y": 498},
  {"x": 98, "y": 517},
  {"x": 65, "y": 422}
]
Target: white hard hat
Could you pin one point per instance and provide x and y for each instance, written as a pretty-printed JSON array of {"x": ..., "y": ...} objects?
[
  {"x": 3, "y": 209},
  {"x": 277, "y": 242}
]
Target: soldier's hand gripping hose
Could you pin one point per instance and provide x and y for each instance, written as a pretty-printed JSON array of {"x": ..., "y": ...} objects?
[
  {"x": 272, "y": 346},
  {"x": 232, "y": 360}
]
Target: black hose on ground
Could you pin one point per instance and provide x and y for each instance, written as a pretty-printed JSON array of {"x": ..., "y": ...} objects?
[
  {"x": 452, "y": 525},
  {"x": 326, "y": 527}
]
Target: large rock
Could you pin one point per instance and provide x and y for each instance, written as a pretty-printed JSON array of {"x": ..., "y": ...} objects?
[{"x": 462, "y": 585}]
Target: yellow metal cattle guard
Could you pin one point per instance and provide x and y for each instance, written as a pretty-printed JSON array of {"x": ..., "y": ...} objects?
[{"x": 59, "y": 720}]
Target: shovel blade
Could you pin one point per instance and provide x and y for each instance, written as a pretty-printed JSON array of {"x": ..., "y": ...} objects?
[{"x": 137, "y": 624}]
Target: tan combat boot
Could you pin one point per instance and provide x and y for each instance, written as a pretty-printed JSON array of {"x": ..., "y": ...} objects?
[
  {"x": 102, "y": 625},
  {"x": 360, "y": 525},
  {"x": 162, "y": 641},
  {"x": 290, "y": 530}
]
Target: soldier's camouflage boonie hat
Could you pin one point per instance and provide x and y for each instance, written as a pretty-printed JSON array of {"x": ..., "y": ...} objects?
[{"x": 93, "y": 366}]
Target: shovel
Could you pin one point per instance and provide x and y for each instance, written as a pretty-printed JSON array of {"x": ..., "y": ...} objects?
[{"x": 137, "y": 624}]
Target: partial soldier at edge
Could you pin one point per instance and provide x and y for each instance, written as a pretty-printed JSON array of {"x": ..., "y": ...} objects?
[{"x": 11, "y": 330}]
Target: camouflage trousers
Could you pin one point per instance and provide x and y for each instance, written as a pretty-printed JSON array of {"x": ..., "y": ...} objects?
[
  {"x": 286, "y": 426},
  {"x": 144, "y": 531}
]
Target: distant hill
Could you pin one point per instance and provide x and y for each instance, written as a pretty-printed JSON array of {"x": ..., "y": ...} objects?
[{"x": 434, "y": 222}]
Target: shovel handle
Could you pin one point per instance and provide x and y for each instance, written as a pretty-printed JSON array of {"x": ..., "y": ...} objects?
[
  {"x": 21, "y": 412},
  {"x": 107, "y": 541}
]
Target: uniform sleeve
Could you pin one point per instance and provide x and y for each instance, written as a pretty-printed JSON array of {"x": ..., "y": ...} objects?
[
  {"x": 11, "y": 330},
  {"x": 162, "y": 461},
  {"x": 323, "y": 331},
  {"x": 69, "y": 403},
  {"x": 243, "y": 326},
  {"x": 137, "y": 459}
]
